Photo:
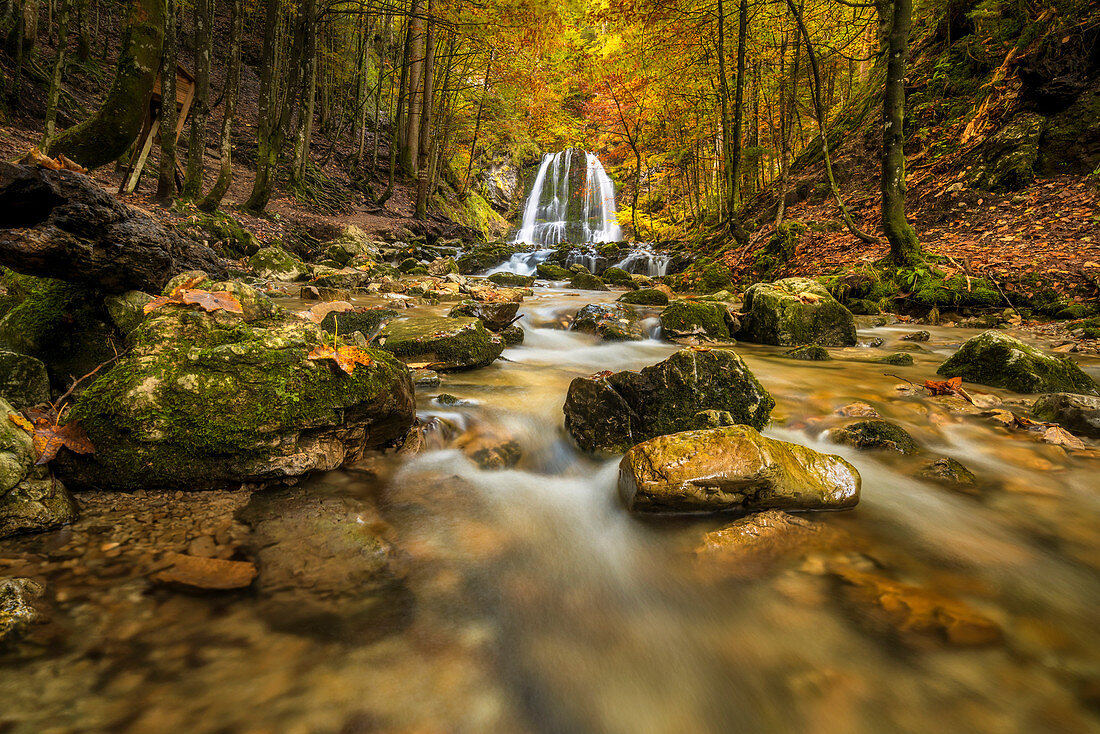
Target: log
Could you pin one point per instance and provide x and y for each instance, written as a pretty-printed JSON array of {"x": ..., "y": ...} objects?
[{"x": 61, "y": 224}]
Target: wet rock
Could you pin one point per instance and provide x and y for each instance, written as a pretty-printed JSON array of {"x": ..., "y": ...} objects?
[
  {"x": 1076, "y": 413},
  {"x": 609, "y": 321},
  {"x": 587, "y": 282},
  {"x": 483, "y": 257},
  {"x": 127, "y": 309},
  {"x": 750, "y": 546},
  {"x": 62, "y": 224},
  {"x": 997, "y": 359},
  {"x": 916, "y": 336},
  {"x": 31, "y": 500},
  {"x": 17, "y": 610},
  {"x": 345, "y": 279},
  {"x": 612, "y": 412},
  {"x": 442, "y": 266},
  {"x": 857, "y": 410},
  {"x": 492, "y": 294},
  {"x": 206, "y": 399},
  {"x": 444, "y": 344},
  {"x": 412, "y": 266},
  {"x": 645, "y": 297},
  {"x": 619, "y": 277},
  {"x": 206, "y": 574},
  {"x": 24, "y": 381},
  {"x": 425, "y": 378},
  {"x": 350, "y": 244},
  {"x": 512, "y": 335},
  {"x": 891, "y": 606},
  {"x": 707, "y": 321},
  {"x": 809, "y": 352},
  {"x": 495, "y": 316},
  {"x": 714, "y": 419},
  {"x": 309, "y": 293},
  {"x": 275, "y": 263},
  {"x": 514, "y": 280},
  {"x": 549, "y": 271},
  {"x": 733, "y": 468},
  {"x": 796, "y": 311},
  {"x": 875, "y": 434},
  {"x": 367, "y": 321},
  {"x": 950, "y": 472},
  {"x": 490, "y": 447},
  {"x": 897, "y": 359}
]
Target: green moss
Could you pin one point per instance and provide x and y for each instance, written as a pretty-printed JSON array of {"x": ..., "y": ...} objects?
[
  {"x": 645, "y": 297},
  {"x": 223, "y": 233},
  {"x": 809, "y": 352},
  {"x": 796, "y": 311},
  {"x": 587, "y": 282},
  {"x": 997, "y": 359},
  {"x": 448, "y": 343},
  {"x": 549, "y": 271},
  {"x": 512, "y": 279},
  {"x": 618, "y": 276},
  {"x": 694, "y": 318},
  {"x": 875, "y": 434},
  {"x": 483, "y": 257},
  {"x": 778, "y": 251},
  {"x": 705, "y": 275},
  {"x": 609, "y": 321}
]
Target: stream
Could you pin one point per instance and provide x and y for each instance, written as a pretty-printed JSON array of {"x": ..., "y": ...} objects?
[{"x": 538, "y": 604}]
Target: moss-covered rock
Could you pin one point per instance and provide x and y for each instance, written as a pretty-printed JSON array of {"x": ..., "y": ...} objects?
[
  {"x": 779, "y": 249},
  {"x": 17, "y": 610},
  {"x": 512, "y": 335},
  {"x": 704, "y": 320},
  {"x": 609, "y": 321},
  {"x": 412, "y": 266},
  {"x": 796, "y": 311},
  {"x": 482, "y": 257},
  {"x": 275, "y": 263},
  {"x": 733, "y": 468},
  {"x": 24, "y": 381},
  {"x": 951, "y": 473},
  {"x": 442, "y": 266},
  {"x": 896, "y": 359},
  {"x": 1007, "y": 159},
  {"x": 126, "y": 310},
  {"x": 367, "y": 321},
  {"x": 495, "y": 316},
  {"x": 875, "y": 434},
  {"x": 587, "y": 282},
  {"x": 809, "y": 353},
  {"x": 207, "y": 399},
  {"x": 645, "y": 297},
  {"x": 614, "y": 412},
  {"x": 618, "y": 276},
  {"x": 997, "y": 359},
  {"x": 512, "y": 279},
  {"x": 705, "y": 275},
  {"x": 31, "y": 500},
  {"x": 1078, "y": 414},
  {"x": 223, "y": 233},
  {"x": 352, "y": 242},
  {"x": 549, "y": 271},
  {"x": 446, "y": 343}
]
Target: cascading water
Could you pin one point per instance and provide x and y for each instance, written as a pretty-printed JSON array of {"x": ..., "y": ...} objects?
[
  {"x": 646, "y": 261},
  {"x": 564, "y": 207}
]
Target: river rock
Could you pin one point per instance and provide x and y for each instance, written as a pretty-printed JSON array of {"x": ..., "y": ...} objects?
[
  {"x": 645, "y": 297},
  {"x": 275, "y": 263},
  {"x": 488, "y": 293},
  {"x": 483, "y": 257},
  {"x": 31, "y": 500},
  {"x": 367, "y": 321},
  {"x": 61, "y": 224},
  {"x": 750, "y": 546},
  {"x": 446, "y": 344},
  {"x": 495, "y": 316},
  {"x": 733, "y": 468},
  {"x": 514, "y": 280},
  {"x": 126, "y": 310},
  {"x": 612, "y": 412},
  {"x": 808, "y": 353},
  {"x": 609, "y": 321},
  {"x": 209, "y": 399},
  {"x": 1076, "y": 413},
  {"x": 796, "y": 311},
  {"x": 587, "y": 282},
  {"x": 23, "y": 380},
  {"x": 17, "y": 610},
  {"x": 550, "y": 271},
  {"x": 707, "y": 321},
  {"x": 350, "y": 244},
  {"x": 997, "y": 359},
  {"x": 951, "y": 473},
  {"x": 875, "y": 434},
  {"x": 619, "y": 277},
  {"x": 441, "y": 266}
]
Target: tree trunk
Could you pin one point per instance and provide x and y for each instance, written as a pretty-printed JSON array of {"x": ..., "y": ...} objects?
[
  {"x": 477, "y": 124},
  {"x": 196, "y": 146},
  {"x": 736, "y": 147},
  {"x": 415, "y": 61},
  {"x": 730, "y": 207},
  {"x": 58, "y": 70},
  {"x": 110, "y": 131},
  {"x": 904, "y": 244},
  {"x": 225, "y": 171},
  {"x": 307, "y": 102},
  {"x": 424, "y": 145},
  {"x": 166, "y": 181}
]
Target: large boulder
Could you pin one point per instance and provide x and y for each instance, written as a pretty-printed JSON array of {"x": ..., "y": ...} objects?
[
  {"x": 482, "y": 257},
  {"x": 609, "y": 321},
  {"x": 351, "y": 243},
  {"x": 61, "y": 224},
  {"x": 587, "y": 282},
  {"x": 23, "y": 380},
  {"x": 612, "y": 412},
  {"x": 645, "y": 297},
  {"x": 367, "y": 321},
  {"x": 30, "y": 499},
  {"x": 709, "y": 321},
  {"x": 496, "y": 316},
  {"x": 275, "y": 263},
  {"x": 733, "y": 468},
  {"x": 209, "y": 399},
  {"x": 796, "y": 311},
  {"x": 446, "y": 344},
  {"x": 1076, "y": 413},
  {"x": 999, "y": 360},
  {"x": 514, "y": 280},
  {"x": 550, "y": 271}
]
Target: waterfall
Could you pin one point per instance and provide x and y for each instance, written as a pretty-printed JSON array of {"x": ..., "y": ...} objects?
[
  {"x": 564, "y": 207},
  {"x": 645, "y": 261}
]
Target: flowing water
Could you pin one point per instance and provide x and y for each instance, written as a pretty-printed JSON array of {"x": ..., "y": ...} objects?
[
  {"x": 540, "y": 605},
  {"x": 569, "y": 202}
]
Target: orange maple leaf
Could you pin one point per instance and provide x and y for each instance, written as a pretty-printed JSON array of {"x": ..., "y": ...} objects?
[
  {"x": 48, "y": 437},
  {"x": 345, "y": 357}
]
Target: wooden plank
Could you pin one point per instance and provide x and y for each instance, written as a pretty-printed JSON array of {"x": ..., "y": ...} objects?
[{"x": 135, "y": 175}]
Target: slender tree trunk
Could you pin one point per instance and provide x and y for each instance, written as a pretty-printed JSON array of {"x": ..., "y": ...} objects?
[
  {"x": 307, "y": 101},
  {"x": 110, "y": 131},
  {"x": 904, "y": 245},
  {"x": 736, "y": 146},
  {"x": 728, "y": 133},
  {"x": 383, "y": 34},
  {"x": 424, "y": 146},
  {"x": 477, "y": 124},
  {"x": 415, "y": 61},
  {"x": 166, "y": 180},
  {"x": 196, "y": 147},
  {"x": 58, "y": 70},
  {"x": 398, "y": 128},
  {"x": 225, "y": 171}
]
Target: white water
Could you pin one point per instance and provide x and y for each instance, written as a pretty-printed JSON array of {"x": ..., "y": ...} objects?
[
  {"x": 522, "y": 263},
  {"x": 546, "y": 216},
  {"x": 646, "y": 261}
]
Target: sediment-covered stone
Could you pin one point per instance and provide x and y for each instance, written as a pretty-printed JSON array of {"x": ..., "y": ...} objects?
[
  {"x": 796, "y": 311},
  {"x": 609, "y": 321},
  {"x": 997, "y": 359},
  {"x": 447, "y": 344}
]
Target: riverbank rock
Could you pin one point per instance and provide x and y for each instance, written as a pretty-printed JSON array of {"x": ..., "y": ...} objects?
[
  {"x": 61, "y": 224},
  {"x": 445, "y": 344},
  {"x": 367, "y": 321},
  {"x": 733, "y": 468},
  {"x": 609, "y": 321},
  {"x": 17, "y": 610},
  {"x": 645, "y": 297},
  {"x": 23, "y": 380},
  {"x": 997, "y": 359},
  {"x": 31, "y": 500},
  {"x": 208, "y": 399},
  {"x": 808, "y": 353},
  {"x": 351, "y": 243},
  {"x": 550, "y": 271},
  {"x": 795, "y": 311},
  {"x": 483, "y": 257},
  {"x": 275, "y": 263},
  {"x": 619, "y": 277},
  {"x": 751, "y": 546},
  {"x": 612, "y": 412},
  {"x": 495, "y": 316},
  {"x": 705, "y": 321},
  {"x": 950, "y": 473},
  {"x": 875, "y": 434},
  {"x": 587, "y": 282},
  {"x": 514, "y": 280},
  {"x": 1076, "y": 413}
]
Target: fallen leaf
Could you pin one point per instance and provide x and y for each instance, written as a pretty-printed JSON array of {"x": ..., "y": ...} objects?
[
  {"x": 48, "y": 437},
  {"x": 212, "y": 300},
  {"x": 21, "y": 422},
  {"x": 345, "y": 357}
]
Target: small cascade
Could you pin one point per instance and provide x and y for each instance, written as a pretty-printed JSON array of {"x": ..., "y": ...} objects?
[
  {"x": 525, "y": 262},
  {"x": 570, "y": 203},
  {"x": 644, "y": 260}
]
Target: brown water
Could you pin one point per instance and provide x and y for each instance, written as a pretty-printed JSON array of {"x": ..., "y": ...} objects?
[{"x": 539, "y": 605}]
